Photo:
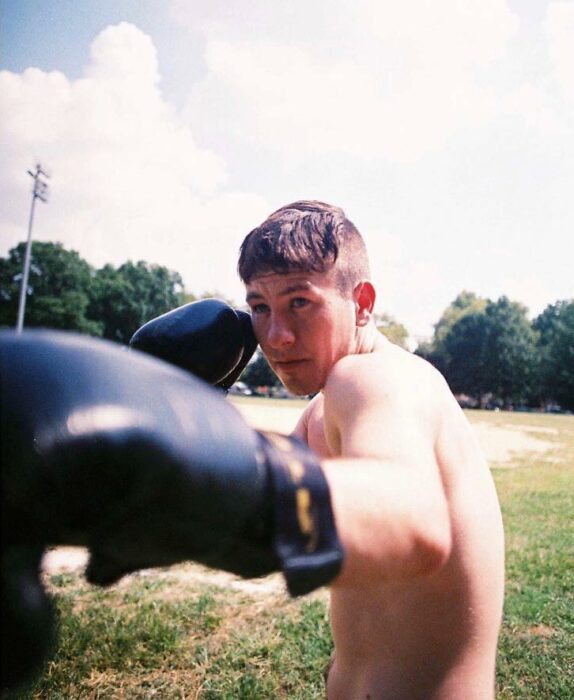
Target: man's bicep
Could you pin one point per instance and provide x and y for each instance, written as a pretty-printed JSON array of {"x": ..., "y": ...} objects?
[{"x": 395, "y": 440}]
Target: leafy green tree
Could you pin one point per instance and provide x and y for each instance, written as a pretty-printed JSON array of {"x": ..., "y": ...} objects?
[
  {"x": 392, "y": 329},
  {"x": 511, "y": 358},
  {"x": 465, "y": 303},
  {"x": 125, "y": 298},
  {"x": 493, "y": 353},
  {"x": 65, "y": 292},
  {"x": 556, "y": 345},
  {"x": 58, "y": 291},
  {"x": 189, "y": 297},
  {"x": 435, "y": 350},
  {"x": 463, "y": 353},
  {"x": 259, "y": 373}
]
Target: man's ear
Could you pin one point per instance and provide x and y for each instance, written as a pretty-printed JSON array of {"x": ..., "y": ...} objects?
[{"x": 364, "y": 296}]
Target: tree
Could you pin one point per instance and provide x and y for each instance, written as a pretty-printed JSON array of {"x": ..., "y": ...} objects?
[
  {"x": 65, "y": 292},
  {"x": 435, "y": 350},
  {"x": 58, "y": 291},
  {"x": 493, "y": 352},
  {"x": 556, "y": 346},
  {"x": 259, "y": 373},
  {"x": 465, "y": 303},
  {"x": 189, "y": 297},
  {"x": 391, "y": 329},
  {"x": 463, "y": 353},
  {"x": 512, "y": 365},
  {"x": 123, "y": 299}
]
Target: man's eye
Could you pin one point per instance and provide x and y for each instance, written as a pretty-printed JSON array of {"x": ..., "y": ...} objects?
[
  {"x": 259, "y": 309},
  {"x": 299, "y": 302}
]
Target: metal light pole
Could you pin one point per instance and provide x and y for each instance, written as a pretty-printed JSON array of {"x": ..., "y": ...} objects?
[{"x": 39, "y": 191}]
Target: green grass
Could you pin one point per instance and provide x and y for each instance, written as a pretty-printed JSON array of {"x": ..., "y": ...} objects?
[
  {"x": 158, "y": 636},
  {"x": 167, "y": 640},
  {"x": 536, "y": 650}
]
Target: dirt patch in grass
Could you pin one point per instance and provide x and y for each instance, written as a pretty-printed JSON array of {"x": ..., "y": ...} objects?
[
  {"x": 541, "y": 631},
  {"x": 279, "y": 416},
  {"x": 504, "y": 444},
  {"x": 177, "y": 579}
]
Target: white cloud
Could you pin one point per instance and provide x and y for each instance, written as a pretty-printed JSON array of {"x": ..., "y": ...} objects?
[
  {"x": 129, "y": 181},
  {"x": 409, "y": 286},
  {"x": 532, "y": 106},
  {"x": 530, "y": 290},
  {"x": 544, "y": 102},
  {"x": 390, "y": 79},
  {"x": 560, "y": 34},
  {"x": 435, "y": 123},
  {"x": 121, "y": 53},
  {"x": 452, "y": 33}
]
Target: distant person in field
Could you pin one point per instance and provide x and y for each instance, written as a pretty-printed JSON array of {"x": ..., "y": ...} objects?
[{"x": 416, "y": 609}]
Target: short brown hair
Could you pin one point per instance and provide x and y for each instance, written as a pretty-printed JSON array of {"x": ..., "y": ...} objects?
[{"x": 309, "y": 236}]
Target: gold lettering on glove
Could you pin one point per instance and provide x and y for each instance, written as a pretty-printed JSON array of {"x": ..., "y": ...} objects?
[
  {"x": 297, "y": 470},
  {"x": 305, "y": 517}
]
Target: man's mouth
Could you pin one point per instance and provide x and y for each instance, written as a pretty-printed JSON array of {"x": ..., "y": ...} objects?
[{"x": 287, "y": 365}]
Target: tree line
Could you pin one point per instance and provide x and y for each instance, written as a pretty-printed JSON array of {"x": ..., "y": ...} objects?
[
  {"x": 489, "y": 351},
  {"x": 67, "y": 293},
  {"x": 493, "y": 354}
]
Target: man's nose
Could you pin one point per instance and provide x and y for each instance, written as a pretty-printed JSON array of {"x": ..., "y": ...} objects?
[{"x": 280, "y": 334}]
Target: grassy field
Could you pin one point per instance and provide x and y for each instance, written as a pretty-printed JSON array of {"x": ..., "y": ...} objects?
[
  {"x": 536, "y": 652},
  {"x": 164, "y": 634}
]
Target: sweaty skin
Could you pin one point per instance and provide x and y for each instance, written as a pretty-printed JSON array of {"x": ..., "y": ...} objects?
[{"x": 416, "y": 610}]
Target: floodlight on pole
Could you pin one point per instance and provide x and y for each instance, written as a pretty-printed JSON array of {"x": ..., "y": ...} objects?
[{"x": 39, "y": 191}]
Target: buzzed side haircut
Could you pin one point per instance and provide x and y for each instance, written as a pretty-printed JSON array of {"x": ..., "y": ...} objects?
[{"x": 306, "y": 236}]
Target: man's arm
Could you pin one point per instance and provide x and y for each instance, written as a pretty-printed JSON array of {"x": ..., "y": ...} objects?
[
  {"x": 390, "y": 506},
  {"x": 145, "y": 466},
  {"x": 301, "y": 430}
]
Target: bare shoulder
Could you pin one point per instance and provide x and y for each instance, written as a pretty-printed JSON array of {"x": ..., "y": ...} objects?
[
  {"x": 389, "y": 396},
  {"x": 389, "y": 374}
]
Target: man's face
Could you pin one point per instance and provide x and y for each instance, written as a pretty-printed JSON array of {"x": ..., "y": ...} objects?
[{"x": 303, "y": 324}]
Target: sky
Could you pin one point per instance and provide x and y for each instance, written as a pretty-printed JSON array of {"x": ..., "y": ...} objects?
[{"x": 171, "y": 128}]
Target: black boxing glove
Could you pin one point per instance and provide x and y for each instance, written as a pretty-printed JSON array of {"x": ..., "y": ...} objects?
[
  {"x": 207, "y": 337},
  {"x": 147, "y": 466},
  {"x": 28, "y": 628}
]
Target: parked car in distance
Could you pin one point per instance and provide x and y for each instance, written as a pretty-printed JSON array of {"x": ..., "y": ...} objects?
[{"x": 241, "y": 389}]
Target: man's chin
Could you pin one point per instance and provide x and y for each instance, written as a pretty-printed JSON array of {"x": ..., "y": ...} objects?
[{"x": 300, "y": 388}]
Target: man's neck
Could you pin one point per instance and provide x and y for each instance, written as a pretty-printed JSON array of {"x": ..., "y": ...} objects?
[{"x": 368, "y": 339}]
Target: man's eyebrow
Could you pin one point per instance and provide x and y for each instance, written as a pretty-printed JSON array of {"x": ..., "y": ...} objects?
[{"x": 297, "y": 287}]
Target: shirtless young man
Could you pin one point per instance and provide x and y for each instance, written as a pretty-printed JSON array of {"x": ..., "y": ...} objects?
[
  {"x": 416, "y": 609},
  {"x": 393, "y": 506}
]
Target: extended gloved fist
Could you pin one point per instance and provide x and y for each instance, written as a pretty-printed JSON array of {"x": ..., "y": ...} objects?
[
  {"x": 207, "y": 337},
  {"x": 146, "y": 466},
  {"x": 28, "y": 621}
]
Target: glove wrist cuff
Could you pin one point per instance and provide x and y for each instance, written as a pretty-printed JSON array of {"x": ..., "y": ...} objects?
[{"x": 305, "y": 536}]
